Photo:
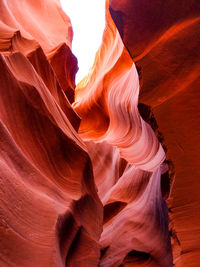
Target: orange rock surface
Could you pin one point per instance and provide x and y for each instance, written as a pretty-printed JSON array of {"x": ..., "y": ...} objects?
[
  {"x": 46, "y": 179},
  {"x": 88, "y": 177},
  {"x": 164, "y": 40}
]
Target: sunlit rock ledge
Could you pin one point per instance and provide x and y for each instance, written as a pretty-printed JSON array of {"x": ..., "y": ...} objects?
[{"x": 105, "y": 173}]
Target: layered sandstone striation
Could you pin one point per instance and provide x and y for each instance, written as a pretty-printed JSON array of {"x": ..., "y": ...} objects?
[
  {"x": 164, "y": 40},
  {"x": 118, "y": 138},
  {"x": 46, "y": 177},
  {"x": 89, "y": 175}
]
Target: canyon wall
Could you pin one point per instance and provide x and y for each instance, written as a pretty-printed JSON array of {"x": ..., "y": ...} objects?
[
  {"x": 46, "y": 174},
  {"x": 104, "y": 173},
  {"x": 164, "y": 40}
]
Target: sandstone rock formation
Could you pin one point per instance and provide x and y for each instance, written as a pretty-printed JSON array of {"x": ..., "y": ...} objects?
[
  {"x": 46, "y": 173},
  {"x": 166, "y": 46},
  {"x": 89, "y": 174}
]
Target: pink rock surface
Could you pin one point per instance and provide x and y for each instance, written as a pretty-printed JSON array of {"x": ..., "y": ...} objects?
[
  {"x": 46, "y": 174},
  {"x": 163, "y": 39},
  {"x": 84, "y": 177}
]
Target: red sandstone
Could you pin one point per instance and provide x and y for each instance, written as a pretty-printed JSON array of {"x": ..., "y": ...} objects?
[{"x": 89, "y": 175}]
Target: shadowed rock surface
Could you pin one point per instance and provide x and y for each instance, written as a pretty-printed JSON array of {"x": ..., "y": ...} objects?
[
  {"x": 164, "y": 40},
  {"x": 89, "y": 173}
]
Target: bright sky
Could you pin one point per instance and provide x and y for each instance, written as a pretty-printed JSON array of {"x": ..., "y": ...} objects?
[{"x": 88, "y": 21}]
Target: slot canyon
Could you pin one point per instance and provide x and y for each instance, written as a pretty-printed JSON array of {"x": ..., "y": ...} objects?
[{"x": 105, "y": 172}]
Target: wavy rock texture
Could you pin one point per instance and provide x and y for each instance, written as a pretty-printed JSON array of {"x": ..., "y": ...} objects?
[
  {"x": 128, "y": 160},
  {"x": 166, "y": 45},
  {"x": 86, "y": 184},
  {"x": 46, "y": 174}
]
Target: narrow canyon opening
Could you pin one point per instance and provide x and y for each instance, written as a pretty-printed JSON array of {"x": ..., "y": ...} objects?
[
  {"x": 88, "y": 22},
  {"x": 99, "y": 168}
]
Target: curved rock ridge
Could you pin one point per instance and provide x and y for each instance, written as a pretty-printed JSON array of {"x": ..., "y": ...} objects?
[
  {"x": 128, "y": 161},
  {"x": 166, "y": 46},
  {"x": 45, "y": 23},
  {"x": 135, "y": 213},
  {"x": 85, "y": 175},
  {"x": 45, "y": 26},
  {"x": 110, "y": 93},
  {"x": 46, "y": 177}
]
